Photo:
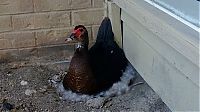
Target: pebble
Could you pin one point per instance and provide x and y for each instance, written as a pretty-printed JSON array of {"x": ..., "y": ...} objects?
[
  {"x": 57, "y": 78},
  {"x": 43, "y": 90},
  {"x": 97, "y": 102},
  {"x": 15, "y": 66},
  {"x": 30, "y": 92},
  {"x": 9, "y": 73},
  {"x": 23, "y": 83},
  {"x": 7, "y": 106}
]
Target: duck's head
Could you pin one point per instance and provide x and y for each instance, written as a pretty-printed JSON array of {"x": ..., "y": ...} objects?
[{"x": 79, "y": 34}]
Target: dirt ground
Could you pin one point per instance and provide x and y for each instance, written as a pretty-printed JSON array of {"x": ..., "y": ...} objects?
[{"x": 24, "y": 87}]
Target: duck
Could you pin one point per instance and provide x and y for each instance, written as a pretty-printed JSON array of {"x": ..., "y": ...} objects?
[
  {"x": 80, "y": 77},
  {"x": 96, "y": 69}
]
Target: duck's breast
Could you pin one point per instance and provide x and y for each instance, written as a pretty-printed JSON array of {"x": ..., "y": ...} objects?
[{"x": 80, "y": 77}]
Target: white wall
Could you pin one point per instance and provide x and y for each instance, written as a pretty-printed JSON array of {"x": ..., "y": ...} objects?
[
  {"x": 187, "y": 9},
  {"x": 160, "y": 48}
]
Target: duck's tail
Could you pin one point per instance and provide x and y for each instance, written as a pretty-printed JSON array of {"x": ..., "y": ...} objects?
[{"x": 105, "y": 32}]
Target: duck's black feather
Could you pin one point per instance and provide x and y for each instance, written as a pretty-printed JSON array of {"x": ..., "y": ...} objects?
[{"x": 107, "y": 59}]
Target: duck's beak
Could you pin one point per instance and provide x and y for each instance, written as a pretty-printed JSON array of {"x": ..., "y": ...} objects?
[{"x": 70, "y": 38}]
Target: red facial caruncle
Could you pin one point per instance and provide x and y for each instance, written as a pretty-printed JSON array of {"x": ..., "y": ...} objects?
[{"x": 78, "y": 32}]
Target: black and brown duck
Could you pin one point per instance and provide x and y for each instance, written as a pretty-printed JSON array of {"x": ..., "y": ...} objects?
[{"x": 94, "y": 70}]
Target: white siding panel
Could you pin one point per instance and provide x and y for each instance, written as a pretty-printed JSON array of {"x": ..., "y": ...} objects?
[
  {"x": 164, "y": 51},
  {"x": 178, "y": 60},
  {"x": 177, "y": 91}
]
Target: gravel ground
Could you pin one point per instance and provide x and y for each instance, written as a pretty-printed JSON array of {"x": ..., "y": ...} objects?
[{"x": 24, "y": 87}]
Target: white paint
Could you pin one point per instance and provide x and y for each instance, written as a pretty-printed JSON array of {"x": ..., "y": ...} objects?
[
  {"x": 165, "y": 52},
  {"x": 118, "y": 88},
  {"x": 176, "y": 90},
  {"x": 173, "y": 56},
  {"x": 184, "y": 52},
  {"x": 177, "y": 14}
]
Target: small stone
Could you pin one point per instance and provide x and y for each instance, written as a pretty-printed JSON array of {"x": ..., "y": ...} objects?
[
  {"x": 97, "y": 102},
  {"x": 43, "y": 90},
  {"x": 30, "y": 92},
  {"x": 107, "y": 105},
  {"x": 23, "y": 83},
  {"x": 7, "y": 106},
  {"x": 15, "y": 66},
  {"x": 57, "y": 78},
  {"x": 9, "y": 73}
]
